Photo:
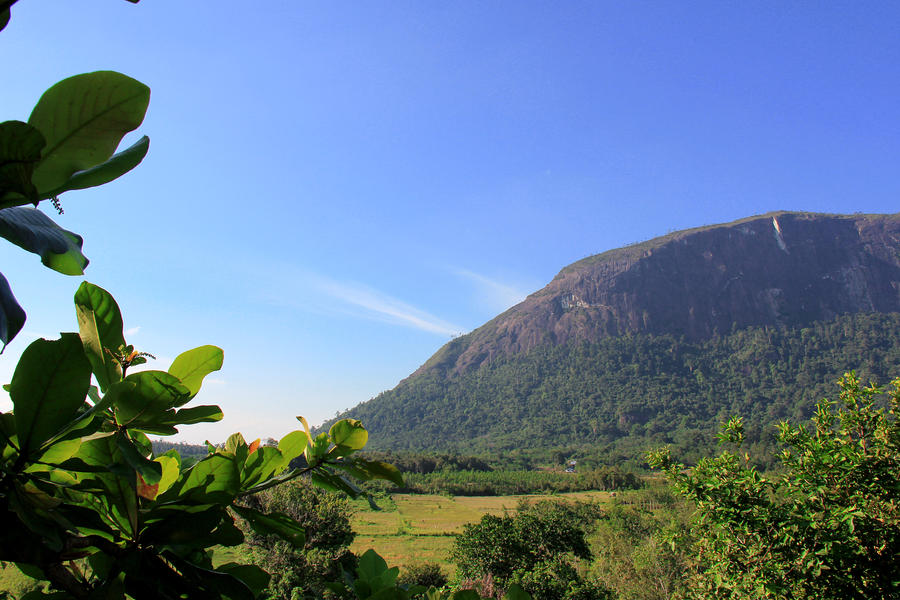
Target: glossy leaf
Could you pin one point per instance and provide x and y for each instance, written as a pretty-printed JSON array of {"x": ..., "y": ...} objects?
[
  {"x": 170, "y": 472},
  {"x": 150, "y": 472},
  {"x": 261, "y": 465},
  {"x": 292, "y": 445},
  {"x": 196, "y": 414},
  {"x": 83, "y": 119},
  {"x": 213, "y": 479},
  {"x": 273, "y": 524},
  {"x": 149, "y": 400},
  {"x": 380, "y": 470},
  {"x": 48, "y": 387},
  {"x": 192, "y": 366},
  {"x": 32, "y": 230},
  {"x": 348, "y": 435},
  {"x": 12, "y": 317},
  {"x": 119, "y": 164},
  {"x": 20, "y": 150},
  {"x": 100, "y": 326}
]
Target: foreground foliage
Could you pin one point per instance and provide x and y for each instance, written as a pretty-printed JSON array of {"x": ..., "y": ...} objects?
[
  {"x": 68, "y": 143},
  {"x": 827, "y": 525},
  {"x": 86, "y": 505}
]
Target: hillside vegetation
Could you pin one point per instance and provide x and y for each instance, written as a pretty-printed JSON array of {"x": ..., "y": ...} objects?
[{"x": 609, "y": 400}]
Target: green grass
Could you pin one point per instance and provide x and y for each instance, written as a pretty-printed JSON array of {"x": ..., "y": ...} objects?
[
  {"x": 415, "y": 528},
  {"x": 14, "y": 582}
]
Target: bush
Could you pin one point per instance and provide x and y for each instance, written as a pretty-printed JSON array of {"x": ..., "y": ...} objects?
[
  {"x": 325, "y": 516},
  {"x": 826, "y": 526},
  {"x": 537, "y": 547},
  {"x": 426, "y": 574}
]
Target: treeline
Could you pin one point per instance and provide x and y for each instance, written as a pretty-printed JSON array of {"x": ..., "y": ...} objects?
[
  {"x": 611, "y": 400},
  {"x": 507, "y": 483},
  {"x": 419, "y": 462},
  {"x": 184, "y": 449}
]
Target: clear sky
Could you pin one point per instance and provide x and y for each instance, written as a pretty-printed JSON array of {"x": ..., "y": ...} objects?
[{"x": 334, "y": 189}]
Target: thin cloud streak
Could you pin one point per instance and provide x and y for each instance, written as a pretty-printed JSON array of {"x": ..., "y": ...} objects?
[
  {"x": 382, "y": 307},
  {"x": 318, "y": 294},
  {"x": 500, "y": 295}
]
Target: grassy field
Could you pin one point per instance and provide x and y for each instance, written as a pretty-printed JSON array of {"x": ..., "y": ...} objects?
[
  {"x": 420, "y": 528},
  {"x": 408, "y": 528}
]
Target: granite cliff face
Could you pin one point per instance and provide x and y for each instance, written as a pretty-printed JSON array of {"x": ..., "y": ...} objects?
[{"x": 782, "y": 269}]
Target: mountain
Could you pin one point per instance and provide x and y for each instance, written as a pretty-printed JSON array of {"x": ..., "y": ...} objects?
[{"x": 656, "y": 341}]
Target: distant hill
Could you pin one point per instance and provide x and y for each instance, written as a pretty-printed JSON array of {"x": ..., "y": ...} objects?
[{"x": 657, "y": 341}]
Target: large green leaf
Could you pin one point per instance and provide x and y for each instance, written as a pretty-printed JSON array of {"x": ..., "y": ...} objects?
[
  {"x": 83, "y": 118},
  {"x": 119, "y": 164},
  {"x": 20, "y": 150},
  {"x": 12, "y": 317},
  {"x": 216, "y": 478},
  {"x": 375, "y": 469},
  {"x": 261, "y": 465},
  {"x": 149, "y": 470},
  {"x": 118, "y": 502},
  {"x": 100, "y": 326},
  {"x": 348, "y": 435},
  {"x": 292, "y": 445},
  {"x": 192, "y": 366},
  {"x": 149, "y": 400},
  {"x": 273, "y": 524},
  {"x": 34, "y": 231},
  {"x": 206, "y": 413},
  {"x": 48, "y": 387},
  {"x": 4, "y": 18}
]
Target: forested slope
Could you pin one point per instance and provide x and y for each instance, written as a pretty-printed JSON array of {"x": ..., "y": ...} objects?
[{"x": 617, "y": 396}]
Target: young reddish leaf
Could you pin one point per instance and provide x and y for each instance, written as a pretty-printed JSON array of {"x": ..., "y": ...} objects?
[
  {"x": 253, "y": 446},
  {"x": 146, "y": 491}
]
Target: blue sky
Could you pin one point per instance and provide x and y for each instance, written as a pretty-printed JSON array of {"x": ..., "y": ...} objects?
[{"x": 335, "y": 189}]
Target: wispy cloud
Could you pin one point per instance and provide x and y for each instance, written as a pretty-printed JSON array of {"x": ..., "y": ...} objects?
[
  {"x": 499, "y": 295},
  {"x": 373, "y": 304},
  {"x": 133, "y": 330},
  {"x": 320, "y": 294}
]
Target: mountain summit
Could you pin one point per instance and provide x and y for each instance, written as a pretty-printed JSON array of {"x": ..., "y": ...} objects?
[
  {"x": 779, "y": 269},
  {"x": 657, "y": 341}
]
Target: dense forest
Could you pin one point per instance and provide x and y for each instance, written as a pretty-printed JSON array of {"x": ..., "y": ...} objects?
[{"x": 608, "y": 401}]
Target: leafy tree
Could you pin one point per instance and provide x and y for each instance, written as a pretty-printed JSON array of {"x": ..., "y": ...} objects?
[
  {"x": 534, "y": 547},
  {"x": 826, "y": 525},
  {"x": 325, "y": 516}
]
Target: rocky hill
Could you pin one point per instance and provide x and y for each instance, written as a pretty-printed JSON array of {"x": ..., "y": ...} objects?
[
  {"x": 779, "y": 269},
  {"x": 656, "y": 342}
]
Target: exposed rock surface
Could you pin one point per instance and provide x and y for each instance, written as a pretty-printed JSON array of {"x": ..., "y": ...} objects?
[{"x": 779, "y": 269}]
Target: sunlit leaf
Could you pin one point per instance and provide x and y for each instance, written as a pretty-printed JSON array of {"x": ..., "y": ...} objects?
[
  {"x": 100, "y": 326},
  {"x": 192, "y": 366},
  {"x": 348, "y": 435},
  {"x": 48, "y": 387},
  {"x": 119, "y": 164},
  {"x": 32, "y": 230},
  {"x": 83, "y": 119}
]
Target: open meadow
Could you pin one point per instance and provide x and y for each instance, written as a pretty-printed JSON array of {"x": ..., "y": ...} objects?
[{"x": 416, "y": 528}]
